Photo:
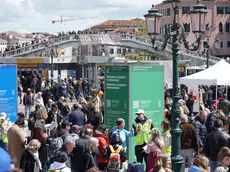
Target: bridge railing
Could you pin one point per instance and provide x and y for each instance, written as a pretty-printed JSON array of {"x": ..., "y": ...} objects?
[
  {"x": 124, "y": 37},
  {"x": 37, "y": 46}
]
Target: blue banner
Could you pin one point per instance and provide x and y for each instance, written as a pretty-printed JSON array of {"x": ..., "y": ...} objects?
[
  {"x": 72, "y": 73},
  {"x": 8, "y": 91}
]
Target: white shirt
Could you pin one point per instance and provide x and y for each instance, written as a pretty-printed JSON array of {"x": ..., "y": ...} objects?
[{"x": 38, "y": 100}]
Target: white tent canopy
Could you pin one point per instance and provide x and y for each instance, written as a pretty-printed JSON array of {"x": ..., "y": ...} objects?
[{"x": 219, "y": 74}]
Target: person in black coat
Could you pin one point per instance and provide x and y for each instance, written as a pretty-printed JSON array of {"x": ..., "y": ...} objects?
[
  {"x": 54, "y": 115},
  {"x": 90, "y": 156},
  {"x": 94, "y": 117},
  {"x": 81, "y": 146},
  {"x": 77, "y": 117},
  {"x": 214, "y": 142},
  {"x": 30, "y": 161}
]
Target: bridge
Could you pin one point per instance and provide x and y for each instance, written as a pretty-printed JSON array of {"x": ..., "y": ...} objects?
[{"x": 122, "y": 40}]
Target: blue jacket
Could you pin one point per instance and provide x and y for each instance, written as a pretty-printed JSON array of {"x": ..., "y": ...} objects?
[
  {"x": 123, "y": 134},
  {"x": 201, "y": 130},
  {"x": 194, "y": 168}
]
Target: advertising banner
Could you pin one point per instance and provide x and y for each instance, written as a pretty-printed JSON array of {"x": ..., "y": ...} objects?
[
  {"x": 193, "y": 89},
  {"x": 116, "y": 94},
  {"x": 8, "y": 91},
  {"x": 55, "y": 76},
  {"x": 64, "y": 74},
  {"x": 72, "y": 73}
]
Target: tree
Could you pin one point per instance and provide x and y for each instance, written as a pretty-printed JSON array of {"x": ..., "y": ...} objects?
[{"x": 142, "y": 31}]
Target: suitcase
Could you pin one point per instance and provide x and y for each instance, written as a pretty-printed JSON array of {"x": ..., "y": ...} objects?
[{"x": 135, "y": 167}]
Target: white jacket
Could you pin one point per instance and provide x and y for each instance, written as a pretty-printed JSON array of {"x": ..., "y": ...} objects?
[
  {"x": 59, "y": 166},
  {"x": 38, "y": 100}
]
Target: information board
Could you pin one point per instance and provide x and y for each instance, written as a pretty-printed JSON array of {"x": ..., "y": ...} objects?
[
  {"x": 116, "y": 94},
  {"x": 8, "y": 91},
  {"x": 147, "y": 93}
]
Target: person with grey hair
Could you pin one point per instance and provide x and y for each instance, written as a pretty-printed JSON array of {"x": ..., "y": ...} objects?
[
  {"x": 81, "y": 146},
  {"x": 200, "y": 126},
  {"x": 90, "y": 156},
  {"x": 67, "y": 147},
  {"x": 189, "y": 141},
  {"x": 30, "y": 161},
  {"x": 183, "y": 105}
]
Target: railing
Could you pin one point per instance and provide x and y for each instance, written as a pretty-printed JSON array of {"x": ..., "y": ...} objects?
[
  {"x": 38, "y": 46},
  {"x": 124, "y": 37}
]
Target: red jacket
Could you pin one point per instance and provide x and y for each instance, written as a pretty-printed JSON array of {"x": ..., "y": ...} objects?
[{"x": 103, "y": 143}]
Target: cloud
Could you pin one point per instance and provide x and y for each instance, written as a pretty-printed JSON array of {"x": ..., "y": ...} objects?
[{"x": 36, "y": 15}]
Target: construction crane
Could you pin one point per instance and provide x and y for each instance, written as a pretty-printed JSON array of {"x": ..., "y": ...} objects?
[{"x": 71, "y": 19}]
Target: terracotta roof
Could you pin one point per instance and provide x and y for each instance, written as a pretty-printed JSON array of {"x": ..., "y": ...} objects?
[
  {"x": 122, "y": 23},
  {"x": 124, "y": 30},
  {"x": 12, "y": 33}
]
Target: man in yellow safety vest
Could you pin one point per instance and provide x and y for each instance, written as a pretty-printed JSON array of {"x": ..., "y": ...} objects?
[{"x": 142, "y": 127}]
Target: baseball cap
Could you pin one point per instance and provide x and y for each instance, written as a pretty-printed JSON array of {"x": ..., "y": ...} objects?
[
  {"x": 140, "y": 111},
  {"x": 76, "y": 128},
  {"x": 5, "y": 160},
  {"x": 65, "y": 123},
  {"x": 3, "y": 115}
]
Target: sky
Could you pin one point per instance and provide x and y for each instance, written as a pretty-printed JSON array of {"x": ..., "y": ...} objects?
[{"x": 25, "y": 16}]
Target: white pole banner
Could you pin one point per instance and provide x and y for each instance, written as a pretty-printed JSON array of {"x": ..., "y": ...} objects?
[{"x": 193, "y": 89}]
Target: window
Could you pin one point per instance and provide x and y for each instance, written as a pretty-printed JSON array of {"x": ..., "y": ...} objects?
[
  {"x": 118, "y": 51},
  {"x": 111, "y": 51},
  {"x": 220, "y": 27},
  {"x": 185, "y": 10},
  {"x": 221, "y": 44},
  {"x": 228, "y": 43},
  {"x": 220, "y": 10},
  {"x": 227, "y": 10},
  {"x": 227, "y": 27},
  {"x": 168, "y": 12},
  {"x": 186, "y": 27}
]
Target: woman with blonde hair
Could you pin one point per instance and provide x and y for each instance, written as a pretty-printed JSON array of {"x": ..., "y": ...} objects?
[
  {"x": 166, "y": 135},
  {"x": 200, "y": 164},
  {"x": 30, "y": 161},
  {"x": 163, "y": 164},
  {"x": 224, "y": 160},
  {"x": 153, "y": 149}
]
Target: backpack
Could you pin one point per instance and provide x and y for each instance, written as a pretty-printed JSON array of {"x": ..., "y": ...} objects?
[
  {"x": 114, "y": 159},
  {"x": 55, "y": 145}
]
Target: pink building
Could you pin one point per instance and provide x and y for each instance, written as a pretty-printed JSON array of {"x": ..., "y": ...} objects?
[{"x": 218, "y": 17}]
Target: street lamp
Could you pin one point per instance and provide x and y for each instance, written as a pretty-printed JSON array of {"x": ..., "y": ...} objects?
[
  {"x": 52, "y": 53},
  {"x": 153, "y": 22},
  {"x": 207, "y": 46},
  {"x": 198, "y": 16}
]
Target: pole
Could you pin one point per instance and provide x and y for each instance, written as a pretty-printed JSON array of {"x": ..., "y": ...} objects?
[
  {"x": 207, "y": 54},
  {"x": 177, "y": 159},
  {"x": 52, "y": 67}
]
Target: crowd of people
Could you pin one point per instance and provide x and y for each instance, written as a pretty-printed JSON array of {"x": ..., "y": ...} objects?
[{"x": 57, "y": 137}]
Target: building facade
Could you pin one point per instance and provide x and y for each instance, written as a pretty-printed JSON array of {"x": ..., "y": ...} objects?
[
  {"x": 218, "y": 17},
  {"x": 3, "y": 45}
]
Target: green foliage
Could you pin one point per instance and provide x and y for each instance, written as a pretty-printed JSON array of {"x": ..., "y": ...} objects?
[
  {"x": 144, "y": 56},
  {"x": 142, "y": 31}
]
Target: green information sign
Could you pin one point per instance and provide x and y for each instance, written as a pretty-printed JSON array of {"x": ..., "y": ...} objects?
[
  {"x": 147, "y": 93},
  {"x": 133, "y": 87},
  {"x": 116, "y": 94}
]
